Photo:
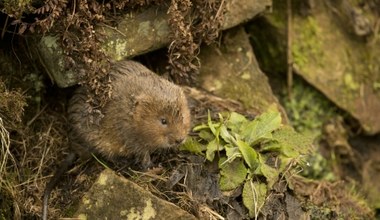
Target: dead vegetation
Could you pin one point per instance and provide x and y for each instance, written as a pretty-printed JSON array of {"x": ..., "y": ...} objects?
[
  {"x": 192, "y": 22},
  {"x": 29, "y": 148}
]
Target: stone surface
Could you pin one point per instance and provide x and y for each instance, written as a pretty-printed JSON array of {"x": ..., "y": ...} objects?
[
  {"x": 345, "y": 69},
  {"x": 114, "y": 197},
  {"x": 231, "y": 71},
  {"x": 138, "y": 33},
  {"x": 330, "y": 56},
  {"x": 239, "y": 11},
  {"x": 50, "y": 53}
]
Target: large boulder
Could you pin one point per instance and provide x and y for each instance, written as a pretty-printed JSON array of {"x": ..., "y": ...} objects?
[{"x": 332, "y": 48}]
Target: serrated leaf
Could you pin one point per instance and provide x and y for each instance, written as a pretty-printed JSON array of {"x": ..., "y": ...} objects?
[
  {"x": 261, "y": 127},
  {"x": 232, "y": 174},
  {"x": 235, "y": 121},
  {"x": 193, "y": 146},
  {"x": 254, "y": 195},
  {"x": 249, "y": 154}
]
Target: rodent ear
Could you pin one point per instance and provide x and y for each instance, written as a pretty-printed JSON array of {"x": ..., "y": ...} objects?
[{"x": 140, "y": 99}]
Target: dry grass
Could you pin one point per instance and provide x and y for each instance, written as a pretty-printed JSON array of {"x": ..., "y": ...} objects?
[
  {"x": 5, "y": 152},
  {"x": 42, "y": 147},
  {"x": 32, "y": 141},
  {"x": 6, "y": 158},
  {"x": 24, "y": 180}
]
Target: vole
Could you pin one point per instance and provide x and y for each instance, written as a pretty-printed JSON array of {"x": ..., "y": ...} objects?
[{"x": 146, "y": 112}]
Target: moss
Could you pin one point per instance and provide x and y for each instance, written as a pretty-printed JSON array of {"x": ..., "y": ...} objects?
[
  {"x": 308, "y": 43},
  {"x": 350, "y": 82},
  {"x": 239, "y": 86},
  {"x": 376, "y": 86}
]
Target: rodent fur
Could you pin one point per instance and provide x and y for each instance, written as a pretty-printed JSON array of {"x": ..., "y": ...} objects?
[{"x": 133, "y": 117}]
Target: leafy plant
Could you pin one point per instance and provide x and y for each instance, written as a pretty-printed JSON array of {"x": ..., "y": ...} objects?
[{"x": 250, "y": 154}]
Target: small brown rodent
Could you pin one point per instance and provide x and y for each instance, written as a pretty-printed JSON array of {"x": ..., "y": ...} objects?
[{"x": 145, "y": 113}]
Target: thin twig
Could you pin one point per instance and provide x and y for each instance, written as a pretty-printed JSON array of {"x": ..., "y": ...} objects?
[
  {"x": 5, "y": 27},
  {"x": 36, "y": 116},
  {"x": 289, "y": 49},
  {"x": 113, "y": 28}
]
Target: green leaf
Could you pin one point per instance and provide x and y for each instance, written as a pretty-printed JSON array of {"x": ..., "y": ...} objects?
[
  {"x": 271, "y": 146},
  {"x": 200, "y": 127},
  {"x": 206, "y": 135},
  {"x": 193, "y": 146},
  {"x": 212, "y": 126},
  {"x": 249, "y": 154},
  {"x": 235, "y": 121},
  {"x": 261, "y": 127},
  {"x": 232, "y": 152},
  {"x": 232, "y": 174},
  {"x": 292, "y": 143},
  {"x": 226, "y": 135},
  {"x": 211, "y": 148},
  {"x": 271, "y": 174},
  {"x": 254, "y": 195}
]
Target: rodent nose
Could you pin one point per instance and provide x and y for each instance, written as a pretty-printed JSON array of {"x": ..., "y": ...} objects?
[{"x": 179, "y": 141}]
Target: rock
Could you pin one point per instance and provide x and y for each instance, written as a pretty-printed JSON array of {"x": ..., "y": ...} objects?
[
  {"x": 50, "y": 53},
  {"x": 343, "y": 65},
  {"x": 136, "y": 34},
  {"x": 239, "y": 11},
  {"x": 231, "y": 71},
  {"x": 114, "y": 197}
]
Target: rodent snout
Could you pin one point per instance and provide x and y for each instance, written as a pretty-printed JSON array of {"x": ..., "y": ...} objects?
[{"x": 179, "y": 141}]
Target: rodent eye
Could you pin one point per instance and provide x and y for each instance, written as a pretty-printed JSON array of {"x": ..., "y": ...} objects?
[{"x": 163, "y": 121}]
